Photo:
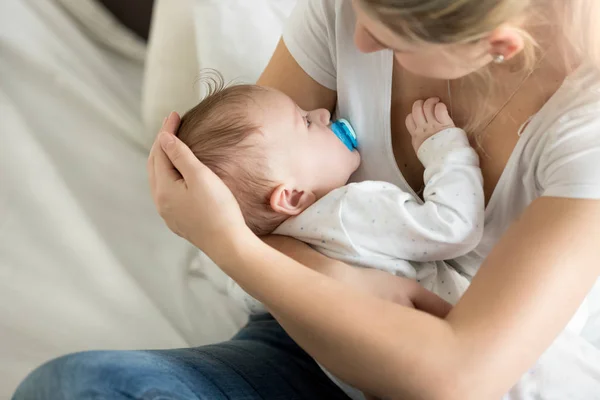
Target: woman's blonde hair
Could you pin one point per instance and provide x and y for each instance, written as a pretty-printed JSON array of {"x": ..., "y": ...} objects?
[{"x": 575, "y": 23}]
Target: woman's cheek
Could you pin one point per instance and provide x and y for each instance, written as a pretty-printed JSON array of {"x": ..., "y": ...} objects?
[
  {"x": 429, "y": 67},
  {"x": 415, "y": 65}
]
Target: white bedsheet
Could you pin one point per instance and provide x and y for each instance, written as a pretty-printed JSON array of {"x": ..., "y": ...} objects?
[{"x": 85, "y": 262}]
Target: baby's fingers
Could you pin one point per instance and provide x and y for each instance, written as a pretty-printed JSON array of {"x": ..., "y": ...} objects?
[
  {"x": 442, "y": 115},
  {"x": 428, "y": 109},
  {"x": 418, "y": 114},
  {"x": 410, "y": 124}
]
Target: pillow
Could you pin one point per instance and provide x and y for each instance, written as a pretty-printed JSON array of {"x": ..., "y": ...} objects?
[
  {"x": 171, "y": 65},
  {"x": 238, "y": 37},
  {"x": 235, "y": 37}
]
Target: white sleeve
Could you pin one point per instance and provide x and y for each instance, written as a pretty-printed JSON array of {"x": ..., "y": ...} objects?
[
  {"x": 570, "y": 163},
  {"x": 380, "y": 218},
  {"x": 310, "y": 37}
]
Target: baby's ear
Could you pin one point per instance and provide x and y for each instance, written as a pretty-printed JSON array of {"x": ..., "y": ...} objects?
[{"x": 291, "y": 201}]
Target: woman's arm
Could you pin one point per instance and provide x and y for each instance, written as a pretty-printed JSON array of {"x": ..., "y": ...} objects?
[
  {"x": 381, "y": 284},
  {"x": 523, "y": 296},
  {"x": 284, "y": 74}
]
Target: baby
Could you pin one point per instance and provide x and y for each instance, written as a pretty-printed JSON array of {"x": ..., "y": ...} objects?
[{"x": 288, "y": 170}]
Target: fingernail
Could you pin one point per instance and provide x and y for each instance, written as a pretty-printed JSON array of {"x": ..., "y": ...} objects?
[{"x": 166, "y": 141}]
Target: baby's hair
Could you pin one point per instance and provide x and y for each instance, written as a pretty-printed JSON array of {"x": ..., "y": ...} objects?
[{"x": 217, "y": 130}]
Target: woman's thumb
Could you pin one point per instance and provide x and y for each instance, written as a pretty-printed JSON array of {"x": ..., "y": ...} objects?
[{"x": 171, "y": 123}]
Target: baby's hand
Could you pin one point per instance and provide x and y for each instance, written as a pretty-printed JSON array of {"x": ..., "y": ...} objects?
[{"x": 427, "y": 118}]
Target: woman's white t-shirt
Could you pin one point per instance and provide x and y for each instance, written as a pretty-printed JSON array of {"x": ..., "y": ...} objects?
[{"x": 557, "y": 155}]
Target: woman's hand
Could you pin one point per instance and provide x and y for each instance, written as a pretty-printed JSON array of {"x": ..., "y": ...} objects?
[
  {"x": 193, "y": 201},
  {"x": 399, "y": 290},
  {"x": 395, "y": 289}
]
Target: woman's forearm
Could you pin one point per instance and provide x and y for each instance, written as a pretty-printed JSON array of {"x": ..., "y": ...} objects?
[
  {"x": 507, "y": 318},
  {"x": 378, "y": 346},
  {"x": 504, "y": 322}
]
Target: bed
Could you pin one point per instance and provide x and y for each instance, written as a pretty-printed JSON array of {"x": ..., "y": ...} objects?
[{"x": 85, "y": 262}]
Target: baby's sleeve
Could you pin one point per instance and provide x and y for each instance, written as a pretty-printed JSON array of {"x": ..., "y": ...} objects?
[
  {"x": 381, "y": 219},
  {"x": 310, "y": 37},
  {"x": 569, "y": 165}
]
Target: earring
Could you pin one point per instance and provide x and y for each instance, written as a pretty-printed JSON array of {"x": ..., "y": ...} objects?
[{"x": 498, "y": 58}]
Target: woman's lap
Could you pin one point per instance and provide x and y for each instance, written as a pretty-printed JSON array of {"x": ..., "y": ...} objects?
[{"x": 260, "y": 362}]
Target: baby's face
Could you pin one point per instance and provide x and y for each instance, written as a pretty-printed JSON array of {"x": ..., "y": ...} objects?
[{"x": 301, "y": 150}]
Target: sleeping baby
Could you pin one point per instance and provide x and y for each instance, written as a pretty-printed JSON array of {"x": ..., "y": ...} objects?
[{"x": 288, "y": 168}]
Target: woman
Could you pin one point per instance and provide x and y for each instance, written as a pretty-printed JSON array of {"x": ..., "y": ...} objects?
[{"x": 537, "y": 129}]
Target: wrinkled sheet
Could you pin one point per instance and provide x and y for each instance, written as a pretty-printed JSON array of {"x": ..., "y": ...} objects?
[{"x": 85, "y": 261}]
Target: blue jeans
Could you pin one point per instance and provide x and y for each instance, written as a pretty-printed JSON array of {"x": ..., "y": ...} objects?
[{"x": 260, "y": 363}]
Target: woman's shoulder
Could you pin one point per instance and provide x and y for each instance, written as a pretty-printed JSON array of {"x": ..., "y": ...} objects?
[
  {"x": 312, "y": 33},
  {"x": 320, "y": 16},
  {"x": 572, "y": 112},
  {"x": 324, "y": 20},
  {"x": 329, "y": 10},
  {"x": 564, "y": 140},
  {"x": 577, "y": 101}
]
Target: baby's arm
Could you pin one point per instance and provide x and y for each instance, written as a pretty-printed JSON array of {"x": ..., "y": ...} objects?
[
  {"x": 449, "y": 223},
  {"x": 427, "y": 118}
]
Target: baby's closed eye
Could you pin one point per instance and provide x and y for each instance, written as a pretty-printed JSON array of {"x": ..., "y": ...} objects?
[{"x": 307, "y": 120}]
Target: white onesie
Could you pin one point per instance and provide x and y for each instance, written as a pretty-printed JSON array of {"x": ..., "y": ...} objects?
[{"x": 377, "y": 225}]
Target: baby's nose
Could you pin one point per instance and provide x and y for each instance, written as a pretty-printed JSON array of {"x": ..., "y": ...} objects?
[{"x": 323, "y": 115}]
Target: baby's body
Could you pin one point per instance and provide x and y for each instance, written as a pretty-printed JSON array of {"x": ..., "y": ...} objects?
[
  {"x": 289, "y": 173},
  {"x": 378, "y": 225}
]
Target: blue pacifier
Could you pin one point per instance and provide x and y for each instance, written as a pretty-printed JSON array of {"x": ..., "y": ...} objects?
[{"x": 343, "y": 130}]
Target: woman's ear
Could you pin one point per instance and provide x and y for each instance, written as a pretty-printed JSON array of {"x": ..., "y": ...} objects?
[
  {"x": 506, "y": 41},
  {"x": 291, "y": 201}
]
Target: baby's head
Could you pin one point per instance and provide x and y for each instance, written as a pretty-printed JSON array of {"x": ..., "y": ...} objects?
[{"x": 276, "y": 158}]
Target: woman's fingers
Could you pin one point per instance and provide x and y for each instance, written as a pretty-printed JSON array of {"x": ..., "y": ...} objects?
[
  {"x": 171, "y": 124},
  {"x": 194, "y": 202},
  {"x": 178, "y": 155},
  {"x": 165, "y": 172}
]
